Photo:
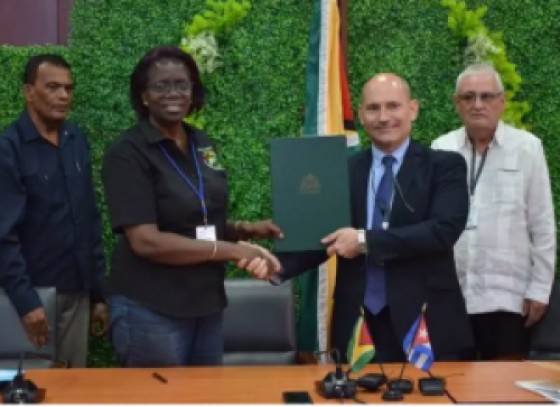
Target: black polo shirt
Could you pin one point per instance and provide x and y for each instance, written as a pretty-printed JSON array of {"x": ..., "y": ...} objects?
[
  {"x": 143, "y": 187},
  {"x": 50, "y": 228}
]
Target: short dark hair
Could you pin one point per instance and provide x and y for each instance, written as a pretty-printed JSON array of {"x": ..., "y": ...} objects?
[
  {"x": 32, "y": 65},
  {"x": 139, "y": 77}
]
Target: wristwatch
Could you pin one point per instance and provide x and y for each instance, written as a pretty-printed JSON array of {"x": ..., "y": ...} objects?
[{"x": 362, "y": 245}]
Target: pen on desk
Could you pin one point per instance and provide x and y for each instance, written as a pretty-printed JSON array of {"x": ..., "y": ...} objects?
[{"x": 159, "y": 377}]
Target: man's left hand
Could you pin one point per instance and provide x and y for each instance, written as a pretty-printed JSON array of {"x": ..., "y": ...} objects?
[
  {"x": 343, "y": 242},
  {"x": 99, "y": 319},
  {"x": 533, "y": 311}
]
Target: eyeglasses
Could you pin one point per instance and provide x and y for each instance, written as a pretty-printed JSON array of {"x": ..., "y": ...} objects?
[
  {"x": 471, "y": 97},
  {"x": 163, "y": 88}
]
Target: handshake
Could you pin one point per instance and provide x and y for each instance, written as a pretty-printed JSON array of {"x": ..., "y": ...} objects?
[{"x": 264, "y": 265}]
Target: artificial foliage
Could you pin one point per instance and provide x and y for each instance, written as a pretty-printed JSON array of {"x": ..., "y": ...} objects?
[
  {"x": 484, "y": 45},
  {"x": 202, "y": 35},
  {"x": 258, "y": 92},
  {"x": 219, "y": 17}
]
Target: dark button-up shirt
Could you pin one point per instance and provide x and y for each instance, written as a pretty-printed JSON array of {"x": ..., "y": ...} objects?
[{"x": 50, "y": 228}]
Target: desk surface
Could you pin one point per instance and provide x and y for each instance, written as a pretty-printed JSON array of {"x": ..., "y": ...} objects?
[
  {"x": 466, "y": 382},
  {"x": 492, "y": 382}
]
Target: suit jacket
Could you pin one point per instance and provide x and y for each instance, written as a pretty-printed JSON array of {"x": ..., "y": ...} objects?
[{"x": 429, "y": 212}]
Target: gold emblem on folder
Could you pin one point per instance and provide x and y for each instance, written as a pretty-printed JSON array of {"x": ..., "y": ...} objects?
[{"x": 309, "y": 185}]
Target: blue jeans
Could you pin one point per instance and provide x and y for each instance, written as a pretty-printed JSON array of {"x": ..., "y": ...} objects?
[{"x": 145, "y": 338}]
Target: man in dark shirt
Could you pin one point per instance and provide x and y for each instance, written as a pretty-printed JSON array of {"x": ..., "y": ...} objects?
[{"x": 50, "y": 229}]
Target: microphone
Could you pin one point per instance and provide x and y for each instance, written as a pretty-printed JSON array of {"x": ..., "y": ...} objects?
[
  {"x": 400, "y": 386},
  {"x": 372, "y": 381},
  {"x": 386, "y": 209},
  {"x": 20, "y": 390},
  {"x": 336, "y": 384}
]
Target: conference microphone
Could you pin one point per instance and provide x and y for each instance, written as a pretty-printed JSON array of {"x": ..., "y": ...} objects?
[
  {"x": 20, "y": 390},
  {"x": 336, "y": 384},
  {"x": 400, "y": 386},
  {"x": 397, "y": 387},
  {"x": 372, "y": 381}
]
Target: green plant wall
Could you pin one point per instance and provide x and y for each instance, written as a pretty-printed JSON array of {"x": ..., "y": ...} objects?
[{"x": 259, "y": 92}]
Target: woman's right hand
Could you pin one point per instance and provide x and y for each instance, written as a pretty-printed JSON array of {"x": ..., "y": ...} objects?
[{"x": 258, "y": 261}]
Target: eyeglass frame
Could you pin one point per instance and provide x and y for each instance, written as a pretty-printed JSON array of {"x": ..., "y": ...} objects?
[
  {"x": 470, "y": 98},
  {"x": 165, "y": 87}
]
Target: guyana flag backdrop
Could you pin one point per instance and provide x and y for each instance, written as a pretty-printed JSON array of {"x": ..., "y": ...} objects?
[{"x": 328, "y": 112}]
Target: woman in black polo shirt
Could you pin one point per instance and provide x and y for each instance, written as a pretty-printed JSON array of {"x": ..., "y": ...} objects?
[{"x": 168, "y": 196}]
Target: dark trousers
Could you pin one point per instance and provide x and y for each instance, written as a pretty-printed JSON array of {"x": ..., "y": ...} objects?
[
  {"x": 388, "y": 348},
  {"x": 500, "y": 335}
]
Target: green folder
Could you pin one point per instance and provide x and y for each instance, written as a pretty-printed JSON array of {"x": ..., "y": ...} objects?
[{"x": 310, "y": 193}]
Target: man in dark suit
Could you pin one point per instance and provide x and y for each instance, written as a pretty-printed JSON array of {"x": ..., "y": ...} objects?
[{"x": 397, "y": 255}]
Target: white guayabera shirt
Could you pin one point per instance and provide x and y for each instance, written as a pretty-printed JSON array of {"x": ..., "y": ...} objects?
[{"x": 509, "y": 252}]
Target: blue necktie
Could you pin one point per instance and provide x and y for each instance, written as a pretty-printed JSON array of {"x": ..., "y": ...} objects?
[{"x": 375, "y": 298}]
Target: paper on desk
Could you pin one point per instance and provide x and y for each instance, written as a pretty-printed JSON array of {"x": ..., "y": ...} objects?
[
  {"x": 7, "y": 374},
  {"x": 549, "y": 389}
]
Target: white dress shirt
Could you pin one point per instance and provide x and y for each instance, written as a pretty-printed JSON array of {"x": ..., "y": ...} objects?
[{"x": 510, "y": 255}]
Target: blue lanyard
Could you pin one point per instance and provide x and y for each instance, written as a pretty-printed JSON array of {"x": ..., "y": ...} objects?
[{"x": 198, "y": 191}]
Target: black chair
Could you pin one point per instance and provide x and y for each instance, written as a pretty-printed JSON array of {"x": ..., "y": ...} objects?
[
  {"x": 13, "y": 339},
  {"x": 545, "y": 338},
  {"x": 259, "y": 323}
]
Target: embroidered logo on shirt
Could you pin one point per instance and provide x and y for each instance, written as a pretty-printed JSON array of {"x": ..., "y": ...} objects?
[{"x": 210, "y": 158}]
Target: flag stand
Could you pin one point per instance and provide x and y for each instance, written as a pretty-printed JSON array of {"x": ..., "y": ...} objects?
[
  {"x": 432, "y": 386},
  {"x": 400, "y": 386}
]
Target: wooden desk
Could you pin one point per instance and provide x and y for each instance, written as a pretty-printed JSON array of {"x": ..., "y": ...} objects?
[
  {"x": 492, "y": 382},
  {"x": 547, "y": 364},
  {"x": 467, "y": 382},
  {"x": 195, "y": 385}
]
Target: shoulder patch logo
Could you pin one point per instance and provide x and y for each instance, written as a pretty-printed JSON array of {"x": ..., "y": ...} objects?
[{"x": 210, "y": 158}]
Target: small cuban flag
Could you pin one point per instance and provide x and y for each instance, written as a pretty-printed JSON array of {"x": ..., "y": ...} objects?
[{"x": 417, "y": 344}]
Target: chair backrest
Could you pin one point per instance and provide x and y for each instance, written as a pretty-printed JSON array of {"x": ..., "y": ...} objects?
[
  {"x": 259, "y": 323},
  {"x": 545, "y": 338},
  {"x": 13, "y": 339}
]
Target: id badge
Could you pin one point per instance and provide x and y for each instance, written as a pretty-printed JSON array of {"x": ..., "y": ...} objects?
[
  {"x": 206, "y": 232},
  {"x": 472, "y": 220}
]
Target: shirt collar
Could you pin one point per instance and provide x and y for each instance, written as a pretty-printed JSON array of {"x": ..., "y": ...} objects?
[
  {"x": 29, "y": 132},
  {"x": 153, "y": 136},
  {"x": 398, "y": 153},
  {"x": 498, "y": 140}
]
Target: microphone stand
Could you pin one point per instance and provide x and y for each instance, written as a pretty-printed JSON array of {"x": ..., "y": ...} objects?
[{"x": 432, "y": 385}]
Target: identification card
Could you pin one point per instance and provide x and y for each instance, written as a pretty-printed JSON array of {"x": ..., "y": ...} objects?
[
  {"x": 472, "y": 220},
  {"x": 206, "y": 232}
]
